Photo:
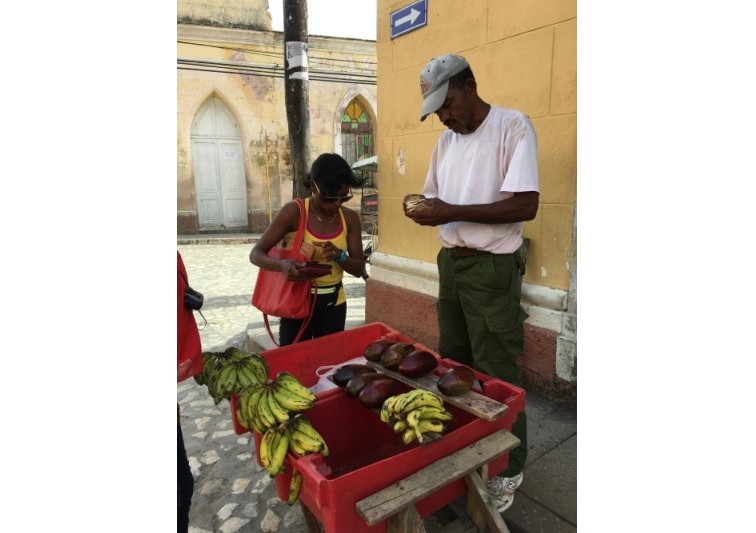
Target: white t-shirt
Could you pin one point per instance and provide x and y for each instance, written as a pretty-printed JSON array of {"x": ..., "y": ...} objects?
[{"x": 482, "y": 167}]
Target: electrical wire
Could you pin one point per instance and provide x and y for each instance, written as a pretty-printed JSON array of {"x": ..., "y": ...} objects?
[{"x": 272, "y": 54}]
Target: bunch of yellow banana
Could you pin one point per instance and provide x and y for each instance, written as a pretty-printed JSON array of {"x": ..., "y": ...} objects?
[
  {"x": 304, "y": 438},
  {"x": 262, "y": 406},
  {"x": 297, "y": 435},
  {"x": 418, "y": 415},
  {"x": 274, "y": 445},
  {"x": 226, "y": 373}
]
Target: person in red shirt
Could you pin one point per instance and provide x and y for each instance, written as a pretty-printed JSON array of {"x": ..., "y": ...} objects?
[{"x": 189, "y": 351}]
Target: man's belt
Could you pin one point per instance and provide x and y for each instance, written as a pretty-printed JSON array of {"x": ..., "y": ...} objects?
[{"x": 461, "y": 251}]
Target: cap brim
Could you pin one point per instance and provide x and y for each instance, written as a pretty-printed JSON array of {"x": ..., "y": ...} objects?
[{"x": 434, "y": 100}]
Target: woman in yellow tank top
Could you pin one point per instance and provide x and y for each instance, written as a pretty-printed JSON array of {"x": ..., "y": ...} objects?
[{"x": 333, "y": 237}]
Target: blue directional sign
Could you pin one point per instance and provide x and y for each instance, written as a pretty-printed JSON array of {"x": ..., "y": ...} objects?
[{"x": 409, "y": 18}]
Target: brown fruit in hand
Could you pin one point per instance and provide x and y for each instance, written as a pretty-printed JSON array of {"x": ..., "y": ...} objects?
[
  {"x": 417, "y": 363},
  {"x": 413, "y": 202},
  {"x": 375, "y": 349},
  {"x": 395, "y": 353},
  {"x": 346, "y": 372},
  {"x": 358, "y": 382},
  {"x": 456, "y": 380},
  {"x": 376, "y": 392}
]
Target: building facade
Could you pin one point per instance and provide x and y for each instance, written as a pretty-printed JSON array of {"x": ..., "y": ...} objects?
[{"x": 233, "y": 157}]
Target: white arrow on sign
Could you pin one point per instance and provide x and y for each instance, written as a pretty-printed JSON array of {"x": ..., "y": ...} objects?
[{"x": 411, "y": 18}]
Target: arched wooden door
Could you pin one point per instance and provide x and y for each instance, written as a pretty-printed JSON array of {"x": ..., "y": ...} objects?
[{"x": 218, "y": 168}]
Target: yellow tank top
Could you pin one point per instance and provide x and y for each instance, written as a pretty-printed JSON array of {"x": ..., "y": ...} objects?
[{"x": 339, "y": 239}]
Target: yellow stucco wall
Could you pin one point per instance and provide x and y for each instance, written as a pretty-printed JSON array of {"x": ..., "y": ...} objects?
[{"x": 523, "y": 54}]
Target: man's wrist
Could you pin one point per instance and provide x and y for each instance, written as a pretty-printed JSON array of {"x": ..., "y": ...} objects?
[{"x": 341, "y": 257}]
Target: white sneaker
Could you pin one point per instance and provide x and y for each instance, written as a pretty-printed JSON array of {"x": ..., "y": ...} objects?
[{"x": 502, "y": 490}]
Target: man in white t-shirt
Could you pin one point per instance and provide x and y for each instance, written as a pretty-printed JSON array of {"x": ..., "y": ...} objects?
[{"x": 482, "y": 184}]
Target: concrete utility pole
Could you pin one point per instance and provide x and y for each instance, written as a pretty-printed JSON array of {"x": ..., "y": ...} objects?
[{"x": 296, "y": 85}]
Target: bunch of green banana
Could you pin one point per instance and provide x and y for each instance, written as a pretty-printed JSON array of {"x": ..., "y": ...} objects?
[
  {"x": 209, "y": 362},
  {"x": 418, "y": 415},
  {"x": 226, "y": 373},
  {"x": 297, "y": 435},
  {"x": 262, "y": 406}
]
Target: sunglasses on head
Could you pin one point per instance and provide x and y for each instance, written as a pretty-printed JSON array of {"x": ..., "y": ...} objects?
[{"x": 332, "y": 199}]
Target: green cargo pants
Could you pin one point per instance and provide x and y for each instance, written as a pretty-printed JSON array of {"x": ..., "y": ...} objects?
[{"x": 480, "y": 323}]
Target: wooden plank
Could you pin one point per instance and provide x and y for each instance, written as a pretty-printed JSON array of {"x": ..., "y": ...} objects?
[
  {"x": 478, "y": 404},
  {"x": 384, "y": 503}
]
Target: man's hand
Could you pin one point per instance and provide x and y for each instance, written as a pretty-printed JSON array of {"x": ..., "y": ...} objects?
[{"x": 434, "y": 212}]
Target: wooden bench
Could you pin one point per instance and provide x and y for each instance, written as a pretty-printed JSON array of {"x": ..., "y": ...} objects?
[{"x": 396, "y": 502}]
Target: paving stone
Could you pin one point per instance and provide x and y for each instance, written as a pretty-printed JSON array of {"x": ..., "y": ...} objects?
[
  {"x": 240, "y": 485},
  {"x": 251, "y": 510},
  {"x": 270, "y": 521},
  {"x": 233, "y": 524},
  {"x": 210, "y": 457},
  {"x": 211, "y": 487},
  {"x": 226, "y": 510}
]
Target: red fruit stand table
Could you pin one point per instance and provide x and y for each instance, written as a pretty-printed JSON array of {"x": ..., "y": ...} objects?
[{"x": 371, "y": 482}]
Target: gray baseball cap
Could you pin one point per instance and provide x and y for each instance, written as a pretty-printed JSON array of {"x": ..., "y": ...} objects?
[{"x": 434, "y": 80}]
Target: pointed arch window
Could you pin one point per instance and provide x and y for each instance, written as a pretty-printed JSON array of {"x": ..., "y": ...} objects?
[{"x": 356, "y": 133}]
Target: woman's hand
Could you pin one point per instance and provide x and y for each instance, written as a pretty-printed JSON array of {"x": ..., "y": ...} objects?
[
  {"x": 289, "y": 269},
  {"x": 329, "y": 251}
]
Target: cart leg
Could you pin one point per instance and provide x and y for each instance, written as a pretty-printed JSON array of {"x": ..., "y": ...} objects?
[
  {"x": 313, "y": 524},
  {"x": 479, "y": 509}
]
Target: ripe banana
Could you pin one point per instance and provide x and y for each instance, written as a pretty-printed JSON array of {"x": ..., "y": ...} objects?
[
  {"x": 294, "y": 487},
  {"x": 418, "y": 398},
  {"x": 254, "y": 394},
  {"x": 242, "y": 421},
  {"x": 425, "y": 426},
  {"x": 266, "y": 416},
  {"x": 307, "y": 436},
  {"x": 415, "y": 414},
  {"x": 292, "y": 384},
  {"x": 295, "y": 447},
  {"x": 402, "y": 399},
  {"x": 387, "y": 409},
  {"x": 408, "y": 436},
  {"x": 435, "y": 413},
  {"x": 289, "y": 400},
  {"x": 427, "y": 413},
  {"x": 401, "y": 426},
  {"x": 241, "y": 408},
  {"x": 281, "y": 415},
  {"x": 266, "y": 448},
  {"x": 279, "y": 448}
]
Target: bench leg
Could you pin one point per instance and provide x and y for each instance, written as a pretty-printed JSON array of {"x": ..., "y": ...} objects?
[
  {"x": 479, "y": 509},
  {"x": 405, "y": 521}
]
